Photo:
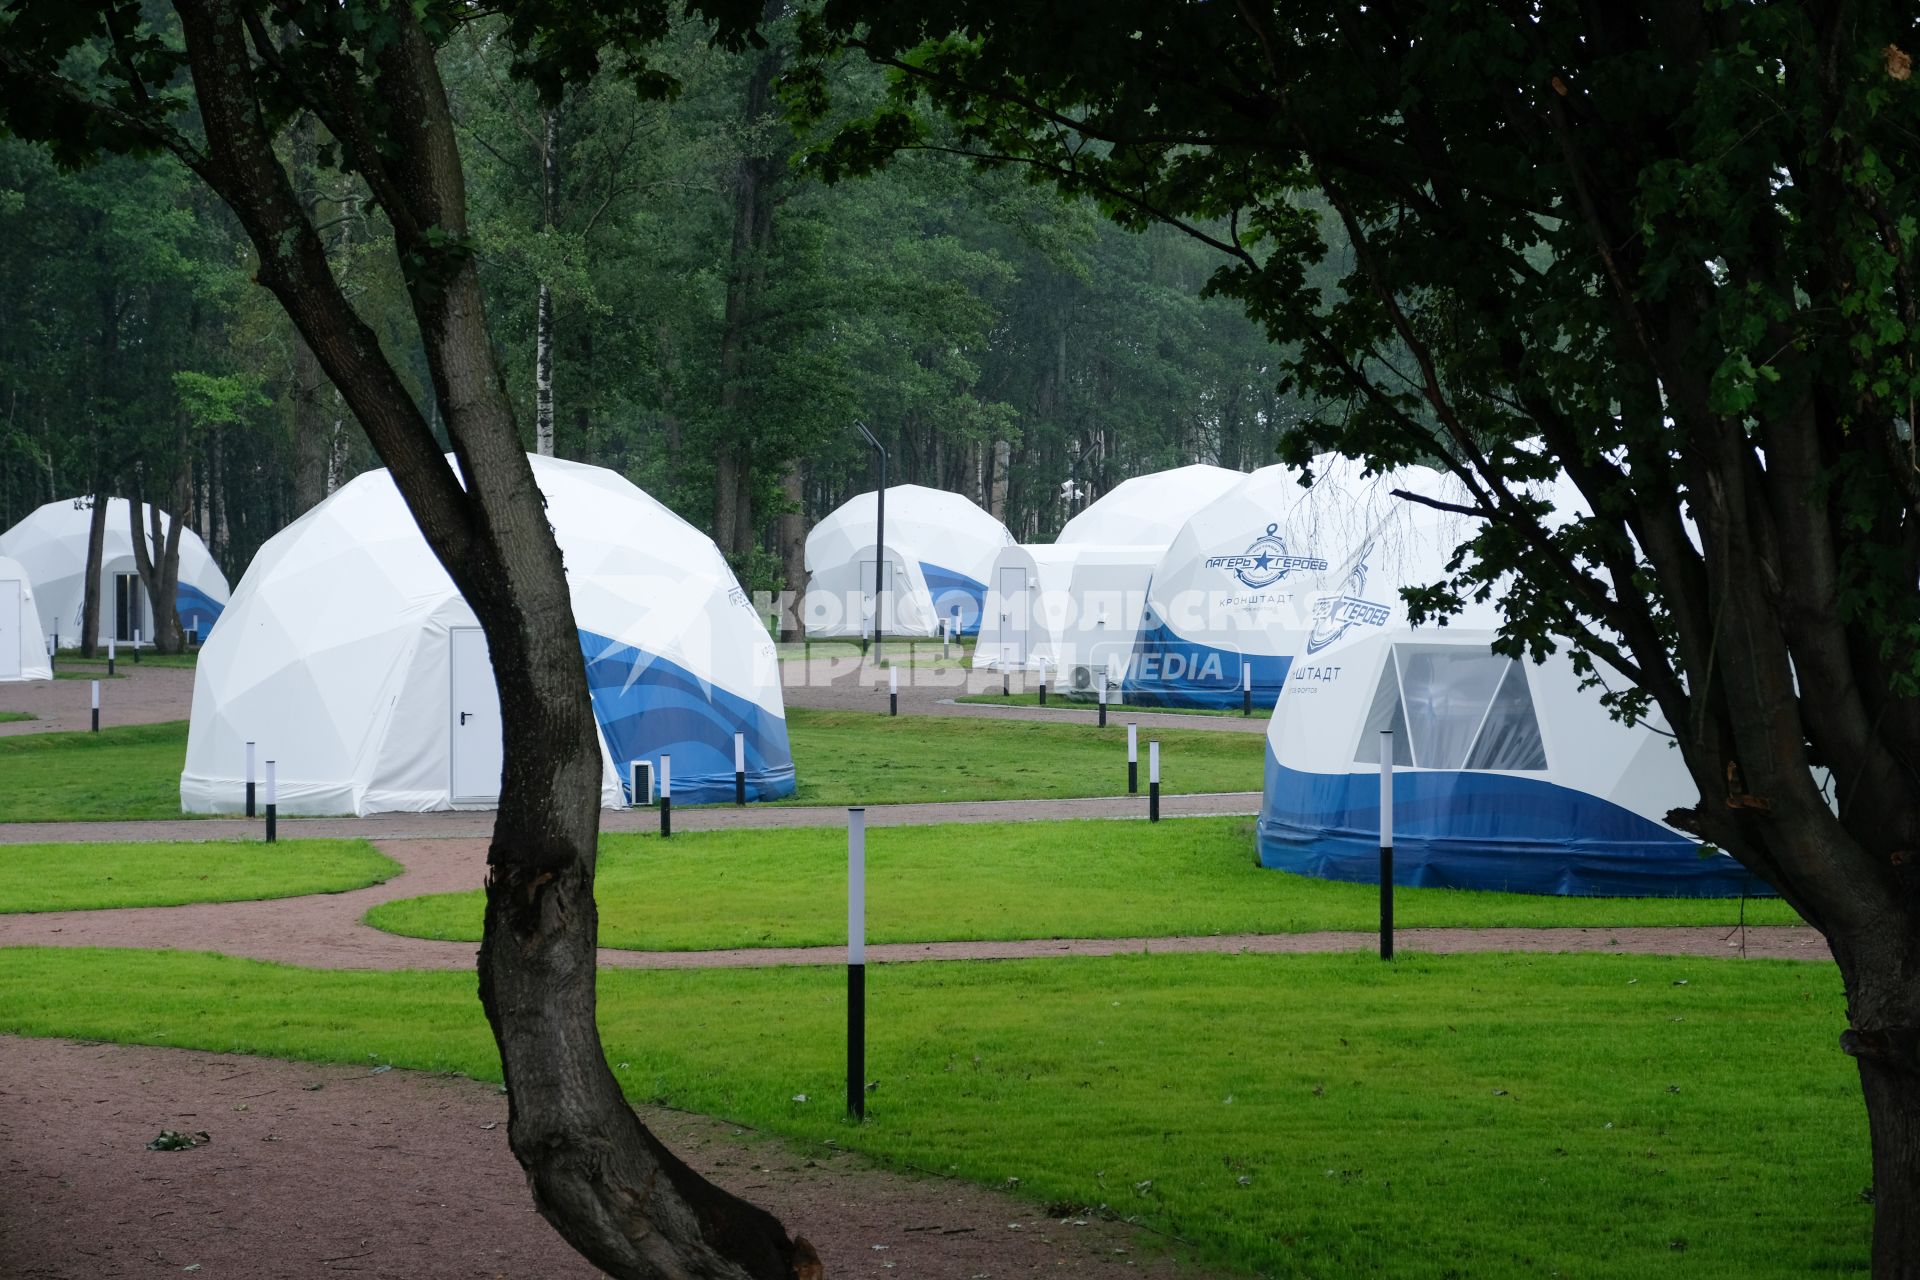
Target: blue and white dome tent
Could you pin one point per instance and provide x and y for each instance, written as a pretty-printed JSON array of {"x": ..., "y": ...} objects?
[
  {"x": 348, "y": 656},
  {"x": 51, "y": 544},
  {"x": 940, "y": 549},
  {"x": 1508, "y": 775},
  {"x": 1235, "y": 586}
]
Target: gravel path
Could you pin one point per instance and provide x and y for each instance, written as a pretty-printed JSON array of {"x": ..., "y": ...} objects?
[
  {"x": 323, "y": 1170},
  {"x": 144, "y": 694},
  {"x": 478, "y": 824},
  {"x": 324, "y": 931}
]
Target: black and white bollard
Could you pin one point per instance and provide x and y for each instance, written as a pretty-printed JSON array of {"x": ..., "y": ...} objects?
[
  {"x": 1043, "y": 681},
  {"x": 1133, "y": 758},
  {"x": 857, "y": 963},
  {"x": 1103, "y": 702},
  {"x": 250, "y": 780},
  {"x": 136, "y": 646},
  {"x": 53, "y": 649},
  {"x": 739, "y": 768},
  {"x": 666, "y": 795},
  {"x": 96, "y": 706},
  {"x": 1386, "y": 844},
  {"x": 1246, "y": 688},
  {"x": 109, "y": 656},
  {"x": 1153, "y": 780},
  {"x": 893, "y": 691},
  {"x": 273, "y": 805}
]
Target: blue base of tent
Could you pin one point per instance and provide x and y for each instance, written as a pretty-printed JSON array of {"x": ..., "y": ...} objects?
[
  {"x": 648, "y": 706},
  {"x": 953, "y": 590},
  {"x": 197, "y": 610},
  {"x": 1168, "y": 670},
  {"x": 1466, "y": 830}
]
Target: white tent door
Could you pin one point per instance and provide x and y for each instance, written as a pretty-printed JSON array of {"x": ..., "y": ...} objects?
[
  {"x": 870, "y": 605},
  {"x": 9, "y": 630},
  {"x": 1015, "y": 607},
  {"x": 473, "y": 722}
]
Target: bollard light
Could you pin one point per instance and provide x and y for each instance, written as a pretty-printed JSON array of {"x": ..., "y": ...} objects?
[
  {"x": 1386, "y": 844},
  {"x": 666, "y": 795},
  {"x": 1246, "y": 688},
  {"x": 857, "y": 963},
  {"x": 1133, "y": 758},
  {"x": 1103, "y": 701},
  {"x": 249, "y": 779},
  {"x": 1153, "y": 780},
  {"x": 273, "y": 804},
  {"x": 109, "y": 655},
  {"x": 136, "y": 646},
  {"x": 96, "y": 706},
  {"x": 739, "y": 768},
  {"x": 893, "y": 691}
]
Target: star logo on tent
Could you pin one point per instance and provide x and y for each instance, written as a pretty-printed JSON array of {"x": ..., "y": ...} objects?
[{"x": 1266, "y": 561}]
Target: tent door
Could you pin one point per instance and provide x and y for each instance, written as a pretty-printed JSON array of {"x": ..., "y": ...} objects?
[
  {"x": 10, "y": 638},
  {"x": 129, "y": 612},
  {"x": 1016, "y": 607},
  {"x": 473, "y": 721},
  {"x": 869, "y": 606}
]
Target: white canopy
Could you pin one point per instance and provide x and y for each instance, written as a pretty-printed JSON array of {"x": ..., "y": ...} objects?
[
  {"x": 940, "y": 548},
  {"x": 52, "y": 545},
  {"x": 23, "y": 645},
  {"x": 1149, "y": 509},
  {"x": 349, "y": 658}
]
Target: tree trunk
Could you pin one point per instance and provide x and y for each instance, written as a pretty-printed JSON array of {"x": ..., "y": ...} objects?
[
  {"x": 96, "y": 550},
  {"x": 543, "y": 320},
  {"x": 597, "y": 1175},
  {"x": 158, "y": 576},
  {"x": 311, "y": 434},
  {"x": 1002, "y": 467},
  {"x": 1887, "y": 1050},
  {"x": 791, "y": 530}
]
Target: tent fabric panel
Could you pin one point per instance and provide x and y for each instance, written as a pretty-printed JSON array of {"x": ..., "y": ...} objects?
[
  {"x": 647, "y": 705},
  {"x": 950, "y": 589},
  {"x": 1169, "y": 670},
  {"x": 198, "y": 611},
  {"x": 1467, "y": 830}
]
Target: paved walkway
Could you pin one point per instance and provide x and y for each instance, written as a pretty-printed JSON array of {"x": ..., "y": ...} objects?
[
  {"x": 478, "y": 823},
  {"x": 143, "y": 694},
  {"x": 325, "y": 931}
]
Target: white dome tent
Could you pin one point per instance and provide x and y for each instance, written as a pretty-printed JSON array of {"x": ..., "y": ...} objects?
[
  {"x": 1235, "y": 588},
  {"x": 23, "y": 644},
  {"x": 51, "y": 543},
  {"x": 939, "y": 550},
  {"x": 350, "y": 658},
  {"x": 1149, "y": 510},
  {"x": 1508, "y": 775},
  {"x": 1082, "y": 605}
]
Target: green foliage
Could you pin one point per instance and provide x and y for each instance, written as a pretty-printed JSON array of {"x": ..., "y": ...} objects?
[
  {"x": 1491, "y": 1116},
  {"x": 85, "y": 877}
]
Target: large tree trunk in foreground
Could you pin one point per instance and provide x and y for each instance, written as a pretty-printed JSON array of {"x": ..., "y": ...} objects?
[{"x": 604, "y": 1183}]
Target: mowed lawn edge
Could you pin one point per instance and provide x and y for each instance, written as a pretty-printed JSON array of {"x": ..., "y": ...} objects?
[
  {"x": 843, "y": 757},
  {"x": 999, "y": 881},
  {"x": 87, "y": 877},
  {"x": 1492, "y": 1116}
]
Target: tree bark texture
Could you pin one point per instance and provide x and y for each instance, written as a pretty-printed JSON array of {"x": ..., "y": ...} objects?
[
  {"x": 543, "y": 308},
  {"x": 597, "y": 1175},
  {"x": 792, "y": 529},
  {"x": 90, "y": 599}
]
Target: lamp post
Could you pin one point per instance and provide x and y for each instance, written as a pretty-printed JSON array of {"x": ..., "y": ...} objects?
[{"x": 879, "y": 539}]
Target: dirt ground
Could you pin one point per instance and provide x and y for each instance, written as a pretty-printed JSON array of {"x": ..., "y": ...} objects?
[{"x": 320, "y": 1170}]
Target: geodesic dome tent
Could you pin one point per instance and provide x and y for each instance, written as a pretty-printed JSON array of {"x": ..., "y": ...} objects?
[
  {"x": 1149, "y": 510},
  {"x": 23, "y": 645},
  {"x": 350, "y": 658},
  {"x": 939, "y": 550},
  {"x": 1026, "y": 606},
  {"x": 1507, "y": 774},
  {"x": 51, "y": 543},
  {"x": 1232, "y": 596}
]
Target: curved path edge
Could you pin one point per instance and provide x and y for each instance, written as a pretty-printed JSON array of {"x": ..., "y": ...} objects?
[{"x": 326, "y": 931}]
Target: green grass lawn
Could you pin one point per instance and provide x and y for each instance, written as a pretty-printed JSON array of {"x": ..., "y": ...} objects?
[
  {"x": 13, "y": 717},
  {"x": 1325, "y": 1116},
  {"x": 864, "y": 757},
  {"x": 844, "y": 757},
  {"x": 124, "y": 658},
  {"x": 73, "y": 877},
  {"x": 1114, "y": 710},
  {"x": 1089, "y": 879},
  {"x": 128, "y": 772}
]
